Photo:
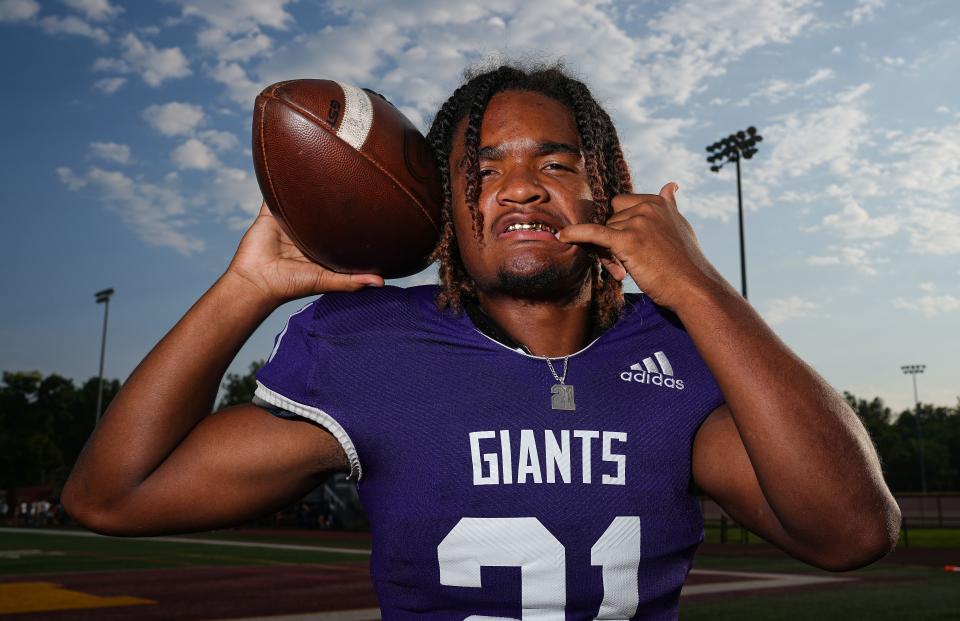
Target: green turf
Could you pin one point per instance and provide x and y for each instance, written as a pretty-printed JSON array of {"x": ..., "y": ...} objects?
[
  {"x": 905, "y": 592},
  {"x": 304, "y": 540},
  {"x": 917, "y": 537},
  {"x": 931, "y": 595},
  {"x": 107, "y": 553},
  {"x": 932, "y": 538}
]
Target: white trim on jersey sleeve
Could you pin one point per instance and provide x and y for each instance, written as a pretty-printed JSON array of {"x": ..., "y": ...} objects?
[
  {"x": 264, "y": 395},
  {"x": 286, "y": 326}
]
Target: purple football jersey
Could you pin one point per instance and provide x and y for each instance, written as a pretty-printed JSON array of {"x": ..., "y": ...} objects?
[{"x": 483, "y": 499}]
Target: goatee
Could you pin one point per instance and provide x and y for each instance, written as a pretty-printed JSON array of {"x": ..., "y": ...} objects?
[{"x": 544, "y": 283}]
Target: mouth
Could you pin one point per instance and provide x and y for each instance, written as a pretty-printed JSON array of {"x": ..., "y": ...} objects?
[{"x": 528, "y": 227}]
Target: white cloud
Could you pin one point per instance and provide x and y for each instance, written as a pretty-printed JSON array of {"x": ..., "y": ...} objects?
[
  {"x": 155, "y": 212},
  {"x": 926, "y": 286},
  {"x": 930, "y": 305},
  {"x": 110, "y": 64},
  {"x": 17, "y": 10},
  {"x": 934, "y": 231},
  {"x": 851, "y": 256},
  {"x": 220, "y": 140},
  {"x": 69, "y": 178},
  {"x": 155, "y": 65},
  {"x": 864, "y": 10},
  {"x": 240, "y": 88},
  {"x": 194, "y": 154},
  {"x": 232, "y": 190},
  {"x": 853, "y": 222},
  {"x": 829, "y": 136},
  {"x": 781, "y": 310},
  {"x": 777, "y": 90},
  {"x": 109, "y": 85},
  {"x": 709, "y": 35},
  {"x": 233, "y": 27},
  {"x": 111, "y": 152},
  {"x": 175, "y": 118},
  {"x": 241, "y": 48},
  {"x": 894, "y": 61},
  {"x": 73, "y": 25},
  {"x": 932, "y": 160},
  {"x": 96, "y": 10},
  {"x": 239, "y": 16}
]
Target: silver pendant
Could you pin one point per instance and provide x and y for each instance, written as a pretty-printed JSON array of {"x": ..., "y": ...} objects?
[{"x": 562, "y": 397}]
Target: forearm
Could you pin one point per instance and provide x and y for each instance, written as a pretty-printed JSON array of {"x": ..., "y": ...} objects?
[
  {"x": 812, "y": 457},
  {"x": 168, "y": 393}
]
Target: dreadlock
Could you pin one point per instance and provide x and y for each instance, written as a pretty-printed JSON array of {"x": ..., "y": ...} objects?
[{"x": 607, "y": 171}]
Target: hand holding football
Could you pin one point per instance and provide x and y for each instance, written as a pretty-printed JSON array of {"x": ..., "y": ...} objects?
[{"x": 348, "y": 177}]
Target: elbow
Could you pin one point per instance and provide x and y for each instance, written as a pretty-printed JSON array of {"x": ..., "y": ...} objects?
[
  {"x": 100, "y": 519},
  {"x": 867, "y": 544}
]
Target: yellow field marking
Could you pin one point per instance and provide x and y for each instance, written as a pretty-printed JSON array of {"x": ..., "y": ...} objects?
[{"x": 42, "y": 596}]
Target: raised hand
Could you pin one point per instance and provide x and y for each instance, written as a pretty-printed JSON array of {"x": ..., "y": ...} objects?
[
  {"x": 649, "y": 239},
  {"x": 270, "y": 261}
]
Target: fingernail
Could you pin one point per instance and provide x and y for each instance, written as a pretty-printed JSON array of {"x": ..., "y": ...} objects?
[{"x": 676, "y": 187}]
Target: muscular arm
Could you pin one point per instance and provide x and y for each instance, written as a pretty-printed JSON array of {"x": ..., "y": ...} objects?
[
  {"x": 158, "y": 462},
  {"x": 786, "y": 456}
]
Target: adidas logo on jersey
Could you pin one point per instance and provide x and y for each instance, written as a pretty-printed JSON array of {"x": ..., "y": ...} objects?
[{"x": 647, "y": 372}]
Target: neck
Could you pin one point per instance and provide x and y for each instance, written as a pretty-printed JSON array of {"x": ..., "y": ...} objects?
[{"x": 552, "y": 329}]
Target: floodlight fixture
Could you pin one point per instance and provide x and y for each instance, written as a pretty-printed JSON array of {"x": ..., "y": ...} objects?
[{"x": 736, "y": 146}]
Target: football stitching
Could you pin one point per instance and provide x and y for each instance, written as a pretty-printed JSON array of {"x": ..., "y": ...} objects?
[{"x": 393, "y": 179}]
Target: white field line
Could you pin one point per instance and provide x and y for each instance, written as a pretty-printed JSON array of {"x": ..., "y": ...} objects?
[
  {"x": 211, "y": 542},
  {"x": 754, "y": 580},
  {"x": 759, "y": 581}
]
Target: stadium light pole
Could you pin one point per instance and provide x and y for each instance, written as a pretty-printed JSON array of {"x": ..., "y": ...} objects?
[
  {"x": 103, "y": 297},
  {"x": 913, "y": 370},
  {"x": 733, "y": 148}
]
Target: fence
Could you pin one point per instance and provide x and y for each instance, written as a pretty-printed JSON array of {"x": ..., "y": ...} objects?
[{"x": 932, "y": 510}]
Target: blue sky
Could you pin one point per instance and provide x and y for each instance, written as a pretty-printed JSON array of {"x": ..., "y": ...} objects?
[{"x": 127, "y": 164}]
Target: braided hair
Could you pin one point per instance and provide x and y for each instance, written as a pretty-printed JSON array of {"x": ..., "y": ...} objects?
[{"x": 606, "y": 170}]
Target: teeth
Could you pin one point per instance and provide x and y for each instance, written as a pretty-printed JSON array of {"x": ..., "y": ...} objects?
[{"x": 529, "y": 226}]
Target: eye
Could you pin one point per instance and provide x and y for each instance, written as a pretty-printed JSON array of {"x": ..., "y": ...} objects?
[
  {"x": 486, "y": 172},
  {"x": 556, "y": 166}
]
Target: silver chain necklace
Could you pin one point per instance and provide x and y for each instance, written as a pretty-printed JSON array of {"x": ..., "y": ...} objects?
[{"x": 561, "y": 395}]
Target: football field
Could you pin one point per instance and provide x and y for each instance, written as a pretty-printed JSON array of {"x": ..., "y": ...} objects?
[{"x": 308, "y": 575}]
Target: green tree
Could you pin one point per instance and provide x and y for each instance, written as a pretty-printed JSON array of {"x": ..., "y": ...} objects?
[
  {"x": 45, "y": 423},
  {"x": 239, "y": 388}
]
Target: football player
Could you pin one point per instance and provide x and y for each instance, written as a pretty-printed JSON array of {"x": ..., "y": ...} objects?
[{"x": 523, "y": 436}]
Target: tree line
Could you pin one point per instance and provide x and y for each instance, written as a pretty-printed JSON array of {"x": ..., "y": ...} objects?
[{"x": 45, "y": 421}]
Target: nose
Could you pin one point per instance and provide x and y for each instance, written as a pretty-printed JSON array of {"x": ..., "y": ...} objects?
[{"x": 520, "y": 187}]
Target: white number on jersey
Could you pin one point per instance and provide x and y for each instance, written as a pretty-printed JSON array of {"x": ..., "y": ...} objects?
[{"x": 526, "y": 543}]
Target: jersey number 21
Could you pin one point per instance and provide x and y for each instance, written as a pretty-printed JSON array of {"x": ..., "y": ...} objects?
[{"x": 526, "y": 543}]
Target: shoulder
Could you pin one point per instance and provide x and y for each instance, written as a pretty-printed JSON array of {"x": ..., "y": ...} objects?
[
  {"x": 639, "y": 309},
  {"x": 372, "y": 307}
]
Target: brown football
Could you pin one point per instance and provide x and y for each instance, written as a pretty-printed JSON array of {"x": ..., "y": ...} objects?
[{"x": 350, "y": 179}]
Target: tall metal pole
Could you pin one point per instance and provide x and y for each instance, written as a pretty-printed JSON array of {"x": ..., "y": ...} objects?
[
  {"x": 104, "y": 297},
  {"x": 913, "y": 370},
  {"x": 743, "y": 254},
  {"x": 923, "y": 465},
  {"x": 733, "y": 148}
]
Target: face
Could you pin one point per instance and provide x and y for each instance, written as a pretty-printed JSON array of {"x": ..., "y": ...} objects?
[{"x": 533, "y": 183}]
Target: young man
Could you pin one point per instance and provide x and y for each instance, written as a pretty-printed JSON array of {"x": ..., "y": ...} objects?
[{"x": 524, "y": 414}]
